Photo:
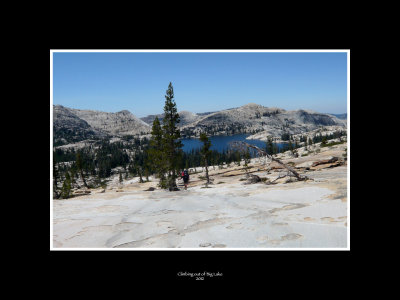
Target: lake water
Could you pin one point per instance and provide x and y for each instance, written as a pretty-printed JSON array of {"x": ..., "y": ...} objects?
[{"x": 221, "y": 142}]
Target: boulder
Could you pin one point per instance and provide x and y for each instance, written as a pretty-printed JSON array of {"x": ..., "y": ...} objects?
[
  {"x": 253, "y": 179},
  {"x": 280, "y": 180},
  {"x": 306, "y": 164},
  {"x": 291, "y": 179}
]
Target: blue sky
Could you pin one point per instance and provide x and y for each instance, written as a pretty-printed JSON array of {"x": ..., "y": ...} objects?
[{"x": 202, "y": 81}]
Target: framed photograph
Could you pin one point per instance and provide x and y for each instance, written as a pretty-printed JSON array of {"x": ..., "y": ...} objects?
[{"x": 200, "y": 150}]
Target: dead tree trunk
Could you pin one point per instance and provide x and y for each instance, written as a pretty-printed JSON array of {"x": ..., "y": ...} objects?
[{"x": 263, "y": 153}]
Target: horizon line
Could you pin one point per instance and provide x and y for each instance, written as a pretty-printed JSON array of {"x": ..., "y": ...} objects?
[{"x": 305, "y": 109}]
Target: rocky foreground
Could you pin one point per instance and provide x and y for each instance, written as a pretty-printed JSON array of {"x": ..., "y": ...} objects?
[{"x": 274, "y": 212}]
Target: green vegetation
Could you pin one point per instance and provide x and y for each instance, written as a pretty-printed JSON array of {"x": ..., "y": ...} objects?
[
  {"x": 171, "y": 145},
  {"x": 271, "y": 147},
  {"x": 323, "y": 138},
  {"x": 156, "y": 155},
  {"x": 285, "y": 136},
  {"x": 66, "y": 187}
]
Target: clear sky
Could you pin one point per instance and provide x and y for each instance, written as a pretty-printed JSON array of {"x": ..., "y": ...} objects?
[{"x": 202, "y": 82}]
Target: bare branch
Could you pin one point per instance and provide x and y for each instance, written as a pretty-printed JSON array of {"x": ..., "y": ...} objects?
[{"x": 240, "y": 145}]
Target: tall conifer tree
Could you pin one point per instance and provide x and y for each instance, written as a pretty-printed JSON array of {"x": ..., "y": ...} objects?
[
  {"x": 80, "y": 167},
  {"x": 171, "y": 134},
  {"x": 156, "y": 154}
]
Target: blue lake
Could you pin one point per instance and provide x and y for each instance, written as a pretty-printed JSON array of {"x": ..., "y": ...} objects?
[{"x": 222, "y": 142}]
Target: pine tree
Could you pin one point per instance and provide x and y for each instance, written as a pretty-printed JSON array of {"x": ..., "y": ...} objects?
[
  {"x": 291, "y": 146},
  {"x": 56, "y": 193},
  {"x": 238, "y": 158},
  {"x": 79, "y": 166},
  {"x": 171, "y": 134},
  {"x": 324, "y": 140},
  {"x": 140, "y": 171},
  {"x": 73, "y": 176},
  {"x": 270, "y": 146},
  {"x": 275, "y": 148},
  {"x": 66, "y": 188},
  {"x": 156, "y": 154},
  {"x": 205, "y": 152}
]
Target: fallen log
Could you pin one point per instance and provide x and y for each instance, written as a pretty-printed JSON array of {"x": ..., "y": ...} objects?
[
  {"x": 325, "y": 161},
  {"x": 327, "y": 166},
  {"x": 263, "y": 153}
]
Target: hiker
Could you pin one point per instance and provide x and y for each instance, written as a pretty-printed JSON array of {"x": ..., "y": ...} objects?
[{"x": 185, "y": 177}]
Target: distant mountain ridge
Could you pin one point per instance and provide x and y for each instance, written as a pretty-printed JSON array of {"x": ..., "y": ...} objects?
[
  {"x": 71, "y": 125},
  {"x": 340, "y": 116},
  {"x": 119, "y": 123},
  {"x": 251, "y": 118}
]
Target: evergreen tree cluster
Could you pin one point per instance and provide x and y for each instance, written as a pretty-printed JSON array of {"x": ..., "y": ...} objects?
[
  {"x": 335, "y": 135},
  {"x": 96, "y": 162},
  {"x": 212, "y": 130}
]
